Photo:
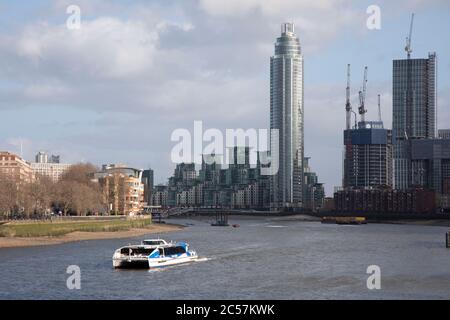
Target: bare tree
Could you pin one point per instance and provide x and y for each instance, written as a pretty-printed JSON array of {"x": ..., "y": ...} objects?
[
  {"x": 37, "y": 197},
  {"x": 75, "y": 193},
  {"x": 81, "y": 173},
  {"x": 63, "y": 196},
  {"x": 8, "y": 196}
]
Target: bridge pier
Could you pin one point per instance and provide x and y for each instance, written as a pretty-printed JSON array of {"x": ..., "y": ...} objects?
[{"x": 221, "y": 219}]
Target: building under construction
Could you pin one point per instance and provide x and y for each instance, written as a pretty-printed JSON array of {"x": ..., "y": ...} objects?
[
  {"x": 409, "y": 158},
  {"x": 368, "y": 156},
  {"x": 368, "y": 147}
]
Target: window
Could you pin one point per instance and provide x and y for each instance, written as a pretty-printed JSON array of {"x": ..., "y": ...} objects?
[{"x": 174, "y": 251}]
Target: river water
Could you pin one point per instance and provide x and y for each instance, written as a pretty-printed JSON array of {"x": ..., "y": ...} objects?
[{"x": 262, "y": 259}]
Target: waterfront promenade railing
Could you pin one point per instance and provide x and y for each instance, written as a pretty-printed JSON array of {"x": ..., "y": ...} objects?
[{"x": 71, "y": 218}]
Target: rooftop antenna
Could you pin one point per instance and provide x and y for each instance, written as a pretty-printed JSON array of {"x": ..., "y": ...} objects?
[
  {"x": 362, "y": 97},
  {"x": 348, "y": 106},
  {"x": 408, "y": 47}
]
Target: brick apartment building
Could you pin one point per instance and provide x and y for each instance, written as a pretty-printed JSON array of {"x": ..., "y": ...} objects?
[{"x": 16, "y": 168}]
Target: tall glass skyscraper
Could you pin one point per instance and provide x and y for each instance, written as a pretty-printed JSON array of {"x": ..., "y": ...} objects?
[
  {"x": 414, "y": 112},
  {"x": 286, "y": 115}
]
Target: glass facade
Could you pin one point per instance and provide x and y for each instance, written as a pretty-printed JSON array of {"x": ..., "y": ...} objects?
[
  {"x": 431, "y": 164},
  {"x": 286, "y": 115},
  {"x": 414, "y": 111}
]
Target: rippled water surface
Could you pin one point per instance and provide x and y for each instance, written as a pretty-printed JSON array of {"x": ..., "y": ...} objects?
[{"x": 263, "y": 259}]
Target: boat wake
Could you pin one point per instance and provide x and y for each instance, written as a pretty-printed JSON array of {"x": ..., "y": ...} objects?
[
  {"x": 266, "y": 225},
  {"x": 274, "y": 226},
  {"x": 202, "y": 259}
]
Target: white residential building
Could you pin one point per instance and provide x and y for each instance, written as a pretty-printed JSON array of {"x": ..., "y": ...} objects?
[{"x": 51, "y": 170}]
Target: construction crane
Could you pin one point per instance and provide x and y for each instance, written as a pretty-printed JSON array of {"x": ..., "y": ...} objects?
[
  {"x": 348, "y": 106},
  {"x": 379, "y": 109},
  {"x": 362, "y": 97},
  {"x": 409, "y": 86},
  {"x": 408, "y": 47}
]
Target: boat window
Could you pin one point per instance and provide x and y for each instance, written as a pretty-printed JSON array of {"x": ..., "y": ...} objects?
[
  {"x": 174, "y": 250},
  {"x": 136, "y": 251},
  {"x": 142, "y": 251},
  {"x": 152, "y": 242}
]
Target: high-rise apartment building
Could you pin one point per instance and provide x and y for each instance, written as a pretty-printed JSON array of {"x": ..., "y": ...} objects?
[
  {"x": 55, "y": 159},
  {"x": 240, "y": 186},
  {"x": 414, "y": 111},
  {"x": 147, "y": 180},
  {"x": 286, "y": 116},
  {"x": 313, "y": 191},
  {"x": 41, "y": 157}
]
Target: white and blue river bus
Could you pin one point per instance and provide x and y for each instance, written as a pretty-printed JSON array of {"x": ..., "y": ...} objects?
[
  {"x": 136, "y": 256},
  {"x": 153, "y": 253}
]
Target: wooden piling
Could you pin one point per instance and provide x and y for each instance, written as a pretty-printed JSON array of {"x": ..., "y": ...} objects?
[{"x": 447, "y": 240}]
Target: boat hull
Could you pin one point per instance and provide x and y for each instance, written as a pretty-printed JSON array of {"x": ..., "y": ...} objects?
[
  {"x": 130, "y": 263},
  {"x": 166, "y": 262}
]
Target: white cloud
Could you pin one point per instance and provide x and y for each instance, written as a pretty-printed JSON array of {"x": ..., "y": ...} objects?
[
  {"x": 46, "y": 91},
  {"x": 104, "y": 48},
  {"x": 268, "y": 7},
  {"x": 317, "y": 22}
]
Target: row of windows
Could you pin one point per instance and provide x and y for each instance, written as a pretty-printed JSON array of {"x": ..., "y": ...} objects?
[
  {"x": 8, "y": 158},
  {"x": 11, "y": 164}
]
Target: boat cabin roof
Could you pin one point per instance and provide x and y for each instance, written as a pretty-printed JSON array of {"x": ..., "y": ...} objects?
[{"x": 153, "y": 242}]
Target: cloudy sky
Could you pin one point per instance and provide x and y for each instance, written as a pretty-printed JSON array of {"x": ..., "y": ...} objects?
[{"x": 115, "y": 90}]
